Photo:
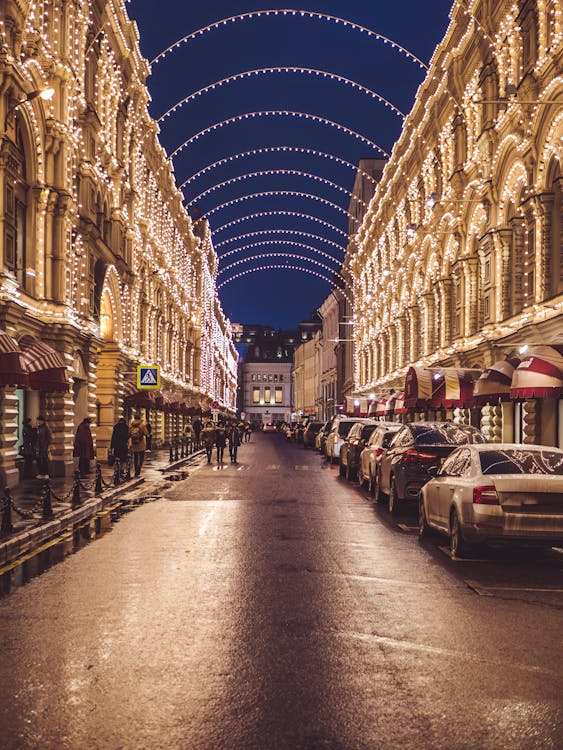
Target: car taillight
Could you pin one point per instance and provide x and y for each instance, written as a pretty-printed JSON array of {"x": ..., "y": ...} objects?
[
  {"x": 378, "y": 451},
  {"x": 485, "y": 495},
  {"x": 412, "y": 456}
]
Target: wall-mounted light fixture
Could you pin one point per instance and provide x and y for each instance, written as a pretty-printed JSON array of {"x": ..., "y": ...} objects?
[{"x": 46, "y": 93}]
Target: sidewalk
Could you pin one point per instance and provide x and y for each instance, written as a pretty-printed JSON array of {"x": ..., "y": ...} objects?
[{"x": 30, "y": 533}]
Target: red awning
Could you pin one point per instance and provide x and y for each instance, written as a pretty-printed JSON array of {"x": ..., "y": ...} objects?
[
  {"x": 12, "y": 366},
  {"x": 494, "y": 384},
  {"x": 440, "y": 388},
  {"x": 381, "y": 407},
  {"x": 142, "y": 399},
  {"x": 540, "y": 375},
  {"x": 400, "y": 407},
  {"x": 46, "y": 367}
]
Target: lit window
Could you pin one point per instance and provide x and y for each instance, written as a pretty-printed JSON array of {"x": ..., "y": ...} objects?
[
  {"x": 279, "y": 394},
  {"x": 256, "y": 395},
  {"x": 267, "y": 395}
]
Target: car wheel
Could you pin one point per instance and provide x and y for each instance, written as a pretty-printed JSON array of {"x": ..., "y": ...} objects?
[
  {"x": 458, "y": 545},
  {"x": 423, "y": 527},
  {"x": 349, "y": 472},
  {"x": 393, "y": 502},
  {"x": 361, "y": 477},
  {"x": 341, "y": 469},
  {"x": 371, "y": 485}
]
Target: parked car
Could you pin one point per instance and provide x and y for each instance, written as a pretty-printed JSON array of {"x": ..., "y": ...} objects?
[
  {"x": 339, "y": 432},
  {"x": 320, "y": 440},
  {"x": 311, "y": 431},
  {"x": 416, "y": 454},
  {"x": 352, "y": 447},
  {"x": 269, "y": 427},
  {"x": 370, "y": 458},
  {"x": 496, "y": 492}
]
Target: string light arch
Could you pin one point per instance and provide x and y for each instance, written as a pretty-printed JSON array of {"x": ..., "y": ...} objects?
[
  {"x": 293, "y": 256},
  {"x": 276, "y": 231},
  {"x": 289, "y": 69},
  {"x": 289, "y": 243},
  {"x": 293, "y": 214},
  {"x": 278, "y": 193},
  {"x": 270, "y": 173},
  {"x": 277, "y": 113},
  {"x": 289, "y": 12}
]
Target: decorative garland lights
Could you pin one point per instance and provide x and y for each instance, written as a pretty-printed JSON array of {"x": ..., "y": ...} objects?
[
  {"x": 293, "y": 214},
  {"x": 277, "y": 193},
  {"x": 276, "y": 231},
  {"x": 288, "y": 243}
]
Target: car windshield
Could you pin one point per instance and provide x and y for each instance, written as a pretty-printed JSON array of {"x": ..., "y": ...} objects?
[
  {"x": 446, "y": 433},
  {"x": 521, "y": 461}
]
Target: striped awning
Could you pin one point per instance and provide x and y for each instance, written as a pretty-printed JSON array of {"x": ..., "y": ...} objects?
[
  {"x": 440, "y": 388},
  {"x": 494, "y": 384},
  {"x": 381, "y": 407},
  {"x": 359, "y": 410},
  {"x": 46, "y": 367},
  {"x": 400, "y": 407},
  {"x": 12, "y": 366},
  {"x": 540, "y": 375}
]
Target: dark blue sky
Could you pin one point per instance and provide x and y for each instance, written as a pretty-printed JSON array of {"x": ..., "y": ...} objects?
[{"x": 281, "y": 297}]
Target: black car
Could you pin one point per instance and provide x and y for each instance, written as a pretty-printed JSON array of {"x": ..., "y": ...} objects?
[
  {"x": 416, "y": 454},
  {"x": 352, "y": 447},
  {"x": 310, "y": 434}
]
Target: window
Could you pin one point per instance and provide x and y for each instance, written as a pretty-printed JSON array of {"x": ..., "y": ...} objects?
[
  {"x": 256, "y": 395},
  {"x": 270, "y": 378},
  {"x": 275, "y": 378},
  {"x": 267, "y": 394},
  {"x": 281, "y": 378},
  {"x": 279, "y": 394},
  {"x": 253, "y": 377}
]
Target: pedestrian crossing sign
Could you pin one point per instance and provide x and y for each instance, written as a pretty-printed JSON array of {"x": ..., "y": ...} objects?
[{"x": 148, "y": 378}]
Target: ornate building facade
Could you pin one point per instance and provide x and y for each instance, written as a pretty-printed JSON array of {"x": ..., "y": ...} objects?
[
  {"x": 101, "y": 268},
  {"x": 458, "y": 265}
]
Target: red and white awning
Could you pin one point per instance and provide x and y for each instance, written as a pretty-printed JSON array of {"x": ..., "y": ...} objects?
[
  {"x": 540, "y": 375},
  {"x": 494, "y": 384},
  {"x": 358, "y": 406},
  {"x": 46, "y": 367},
  {"x": 440, "y": 388},
  {"x": 12, "y": 366},
  {"x": 400, "y": 407}
]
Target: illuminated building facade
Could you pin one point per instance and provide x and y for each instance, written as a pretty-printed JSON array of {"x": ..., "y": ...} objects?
[
  {"x": 101, "y": 268},
  {"x": 458, "y": 264}
]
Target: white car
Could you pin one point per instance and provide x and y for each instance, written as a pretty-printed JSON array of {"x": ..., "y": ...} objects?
[
  {"x": 496, "y": 492},
  {"x": 370, "y": 457},
  {"x": 339, "y": 432}
]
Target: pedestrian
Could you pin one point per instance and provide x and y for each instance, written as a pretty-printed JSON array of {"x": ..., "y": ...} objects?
[
  {"x": 149, "y": 436},
  {"x": 220, "y": 441},
  {"x": 43, "y": 445},
  {"x": 28, "y": 447},
  {"x": 120, "y": 440},
  {"x": 247, "y": 431},
  {"x": 138, "y": 438},
  {"x": 208, "y": 437},
  {"x": 234, "y": 438},
  {"x": 198, "y": 426},
  {"x": 189, "y": 434},
  {"x": 83, "y": 446}
]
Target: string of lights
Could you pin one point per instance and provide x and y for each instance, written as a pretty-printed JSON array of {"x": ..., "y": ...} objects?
[
  {"x": 270, "y": 173},
  {"x": 279, "y": 149},
  {"x": 278, "y": 193},
  {"x": 287, "y": 243},
  {"x": 294, "y": 256},
  {"x": 289, "y": 12},
  {"x": 289, "y": 69},
  {"x": 293, "y": 214},
  {"x": 277, "y": 231},
  {"x": 277, "y": 113}
]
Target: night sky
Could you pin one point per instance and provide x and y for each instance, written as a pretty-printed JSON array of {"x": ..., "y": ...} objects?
[{"x": 281, "y": 296}]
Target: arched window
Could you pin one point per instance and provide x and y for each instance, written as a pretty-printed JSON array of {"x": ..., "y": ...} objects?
[{"x": 16, "y": 214}]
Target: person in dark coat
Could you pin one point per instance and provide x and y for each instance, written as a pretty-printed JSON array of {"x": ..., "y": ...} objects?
[
  {"x": 84, "y": 446},
  {"x": 208, "y": 437},
  {"x": 28, "y": 448},
  {"x": 220, "y": 441},
  {"x": 234, "y": 438},
  {"x": 120, "y": 440},
  {"x": 43, "y": 445},
  {"x": 198, "y": 426}
]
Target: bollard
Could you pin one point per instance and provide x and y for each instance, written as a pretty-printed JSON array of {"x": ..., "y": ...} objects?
[
  {"x": 176, "y": 454},
  {"x": 171, "y": 458},
  {"x": 75, "y": 502},
  {"x": 127, "y": 475},
  {"x": 117, "y": 472},
  {"x": 7, "y": 525},
  {"x": 182, "y": 442},
  {"x": 98, "y": 489},
  {"x": 46, "y": 501}
]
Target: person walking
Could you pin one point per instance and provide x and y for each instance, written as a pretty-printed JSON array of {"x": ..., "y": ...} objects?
[
  {"x": 83, "y": 446},
  {"x": 208, "y": 438},
  {"x": 189, "y": 435},
  {"x": 43, "y": 444},
  {"x": 220, "y": 441},
  {"x": 28, "y": 447},
  {"x": 120, "y": 440},
  {"x": 234, "y": 438},
  {"x": 138, "y": 438},
  {"x": 198, "y": 426},
  {"x": 247, "y": 431}
]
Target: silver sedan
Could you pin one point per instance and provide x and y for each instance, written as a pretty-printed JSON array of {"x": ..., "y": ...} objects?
[{"x": 495, "y": 492}]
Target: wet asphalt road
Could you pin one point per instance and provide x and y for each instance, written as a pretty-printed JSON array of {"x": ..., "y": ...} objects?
[{"x": 269, "y": 605}]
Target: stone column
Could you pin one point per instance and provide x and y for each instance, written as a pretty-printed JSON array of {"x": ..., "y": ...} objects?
[
  {"x": 491, "y": 423},
  {"x": 531, "y": 422},
  {"x": 9, "y": 474}
]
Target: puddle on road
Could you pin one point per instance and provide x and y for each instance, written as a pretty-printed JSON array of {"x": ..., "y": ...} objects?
[
  {"x": 177, "y": 477},
  {"x": 20, "y": 571}
]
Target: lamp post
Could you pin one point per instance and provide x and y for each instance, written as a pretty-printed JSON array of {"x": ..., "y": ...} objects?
[{"x": 45, "y": 93}]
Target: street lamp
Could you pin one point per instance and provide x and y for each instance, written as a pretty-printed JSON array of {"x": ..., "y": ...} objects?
[{"x": 46, "y": 93}]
